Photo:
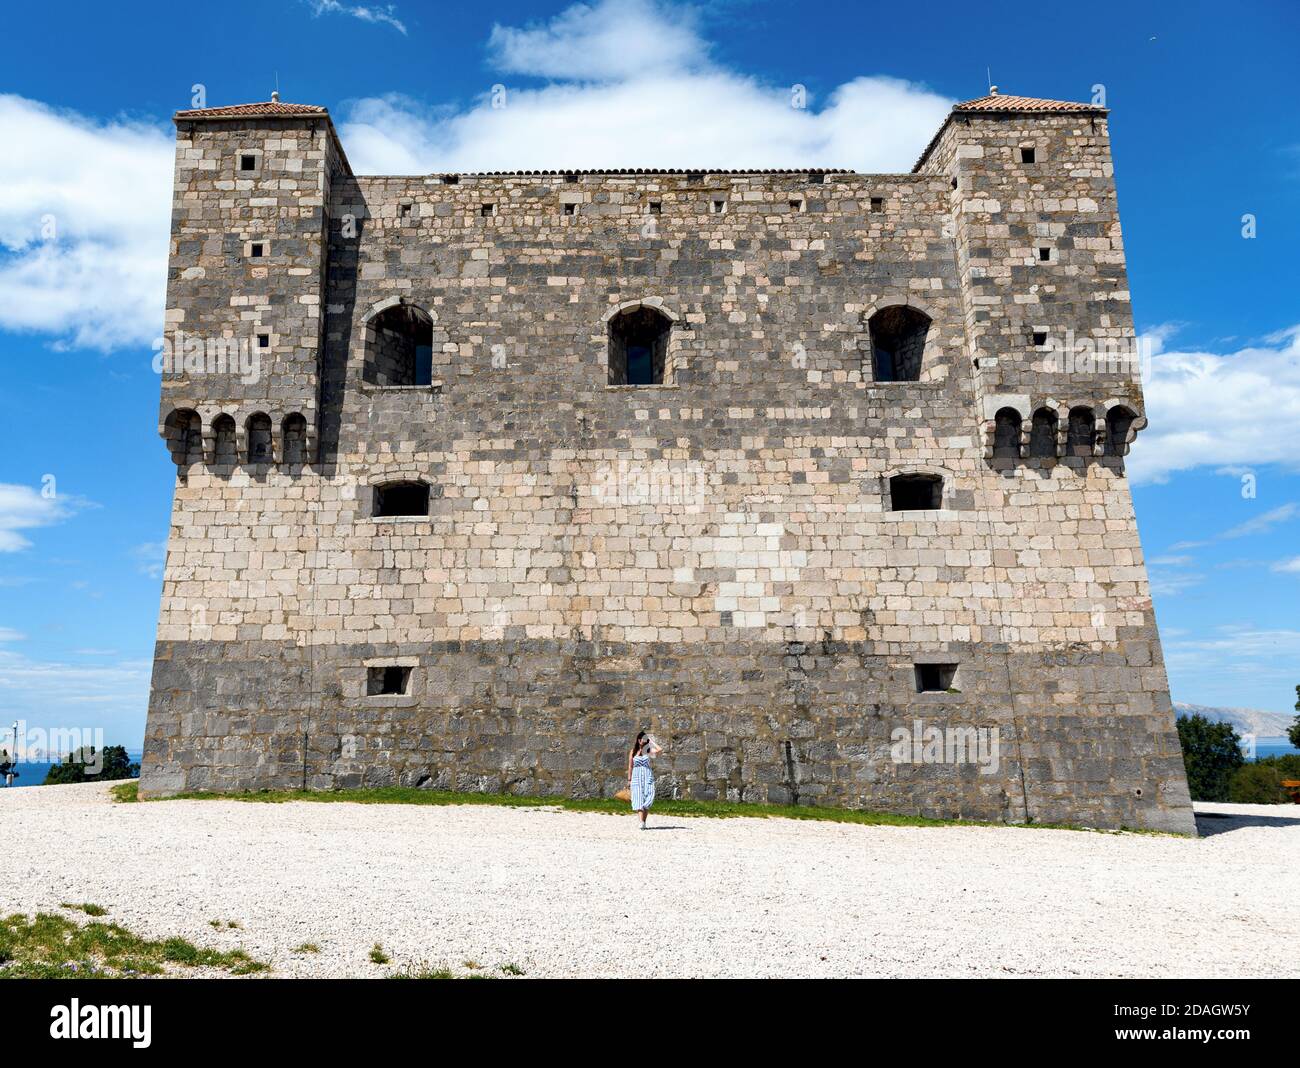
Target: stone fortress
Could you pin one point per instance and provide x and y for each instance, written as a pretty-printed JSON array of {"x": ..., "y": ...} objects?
[{"x": 797, "y": 468}]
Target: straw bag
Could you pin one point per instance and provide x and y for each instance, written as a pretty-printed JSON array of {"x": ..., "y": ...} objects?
[{"x": 623, "y": 795}]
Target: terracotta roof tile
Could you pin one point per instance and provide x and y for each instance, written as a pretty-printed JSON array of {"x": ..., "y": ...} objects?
[
  {"x": 272, "y": 108},
  {"x": 997, "y": 102}
]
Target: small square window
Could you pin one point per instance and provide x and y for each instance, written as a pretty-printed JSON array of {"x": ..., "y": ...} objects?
[
  {"x": 451, "y": 179},
  {"x": 796, "y": 205},
  {"x": 1040, "y": 338},
  {"x": 403, "y": 211},
  {"x": 817, "y": 178},
  {"x": 247, "y": 162},
  {"x": 1045, "y": 254},
  {"x": 656, "y": 207},
  {"x": 877, "y": 204},
  {"x": 257, "y": 250},
  {"x": 935, "y": 678},
  {"x": 570, "y": 209},
  {"x": 571, "y": 178},
  {"x": 719, "y": 207},
  {"x": 695, "y": 176},
  {"x": 915, "y": 493},
  {"x": 389, "y": 679},
  {"x": 263, "y": 341},
  {"x": 487, "y": 209},
  {"x": 1028, "y": 155}
]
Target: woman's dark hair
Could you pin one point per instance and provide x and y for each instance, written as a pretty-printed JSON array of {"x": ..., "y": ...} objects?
[{"x": 636, "y": 746}]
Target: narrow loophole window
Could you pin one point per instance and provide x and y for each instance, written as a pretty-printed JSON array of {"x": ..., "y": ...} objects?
[
  {"x": 1028, "y": 155},
  {"x": 257, "y": 250}
]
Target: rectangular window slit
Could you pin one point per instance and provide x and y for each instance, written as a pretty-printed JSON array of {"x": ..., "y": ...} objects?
[
  {"x": 257, "y": 250},
  {"x": 1045, "y": 254},
  {"x": 877, "y": 204},
  {"x": 487, "y": 209},
  {"x": 656, "y": 207},
  {"x": 263, "y": 341},
  {"x": 570, "y": 209},
  {"x": 935, "y": 678},
  {"x": 248, "y": 163},
  {"x": 1040, "y": 338},
  {"x": 1028, "y": 155},
  {"x": 719, "y": 206},
  {"x": 389, "y": 679}
]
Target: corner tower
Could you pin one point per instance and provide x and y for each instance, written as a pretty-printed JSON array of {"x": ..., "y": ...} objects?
[{"x": 245, "y": 286}]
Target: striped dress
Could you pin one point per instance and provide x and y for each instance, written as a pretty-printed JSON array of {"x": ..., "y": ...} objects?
[{"x": 643, "y": 783}]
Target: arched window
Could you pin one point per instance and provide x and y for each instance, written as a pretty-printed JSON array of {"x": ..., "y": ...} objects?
[
  {"x": 898, "y": 336},
  {"x": 184, "y": 435},
  {"x": 399, "y": 347},
  {"x": 914, "y": 493},
  {"x": 225, "y": 451},
  {"x": 1042, "y": 435},
  {"x": 1006, "y": 433},
  {"x": 293, "y": 435},
  {"x": 401, "y": 499},
  {"x": 1119, "y": 422},
  {"x": 259, "y": 438},
  {"x": 638, "y": 347},
  {"x": 1081, "y": 432}
]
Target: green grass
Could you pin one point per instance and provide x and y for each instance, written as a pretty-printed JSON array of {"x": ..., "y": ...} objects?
[
  {"x": 86, "y": 907},
  {"x": 377, "y": 954},
  {"x": 425, "y": 970},
  {"x": 307, "y": 947},
  {"x": 410, "y": 795},
  {"x": 56, "y": 947}
]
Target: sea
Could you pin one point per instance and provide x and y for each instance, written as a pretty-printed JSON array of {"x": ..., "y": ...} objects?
[
  {"x": 1264, "y": 747},
  {"x": 33, "y": 774}
]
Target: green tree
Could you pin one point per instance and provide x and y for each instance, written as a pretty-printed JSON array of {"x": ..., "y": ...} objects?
[
  {"x": 1293, "y": 731},
  {"x": 1211, "y": 753},
  {"x": 73, "y": 767},
  {"x": 1256, "y": 784}
]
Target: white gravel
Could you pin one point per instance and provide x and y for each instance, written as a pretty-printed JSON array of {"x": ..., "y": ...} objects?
[{"x": 575, "y": 894}]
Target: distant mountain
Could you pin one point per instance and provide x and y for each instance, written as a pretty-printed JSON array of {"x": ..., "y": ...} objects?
[{"x": 1245, "y": 720}]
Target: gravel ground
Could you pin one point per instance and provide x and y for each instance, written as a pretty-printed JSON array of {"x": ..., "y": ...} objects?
[{"x": 581, "y": 894}]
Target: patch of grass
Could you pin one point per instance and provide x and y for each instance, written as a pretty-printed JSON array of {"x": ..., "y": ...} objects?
[
  {"x": 511, "y": 969},
  {"x": 307, "y": 947},
  {"x": 472, "y": 965},
  {"x": 125, "y": 791},
  {"x": 56, "y": 947},
  {"x": 410, "y": 795},
  {"x": 86, "y": 907},
  {"x": 377, "y": 954},
  {"x": 424, "y": 970},
  {"x": 219, "y": 925}
]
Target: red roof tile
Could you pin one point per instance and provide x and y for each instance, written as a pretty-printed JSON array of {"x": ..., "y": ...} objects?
[
  {"x": 271, "y": 108},
  {"x": 997, "y": 102}
]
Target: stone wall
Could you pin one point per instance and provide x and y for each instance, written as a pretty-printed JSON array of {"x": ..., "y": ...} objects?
[{"x": 714, "y": 557}]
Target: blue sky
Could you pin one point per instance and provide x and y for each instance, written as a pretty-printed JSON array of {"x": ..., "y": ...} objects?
[{"x": 1204, "y": 132}]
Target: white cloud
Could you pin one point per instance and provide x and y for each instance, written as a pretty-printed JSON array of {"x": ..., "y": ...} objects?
[
  {"x": 385, "y": 15},
  {"x": 1291, "y": 566},
  {"x": 150, "y": 558},
  {"x": 613, "y": 40},
  {"x": 83, "y": 225},
  {"x": 22, "y": 508},
  {"x": 632, "y": 86},
  {"x": 50, "y": 693},
  {"x": 8, "y": 634},
  {"x": 1231, "y": 411}
]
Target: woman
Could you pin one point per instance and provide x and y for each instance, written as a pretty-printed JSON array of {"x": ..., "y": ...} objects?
[{"x": 640, "y": 779}]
